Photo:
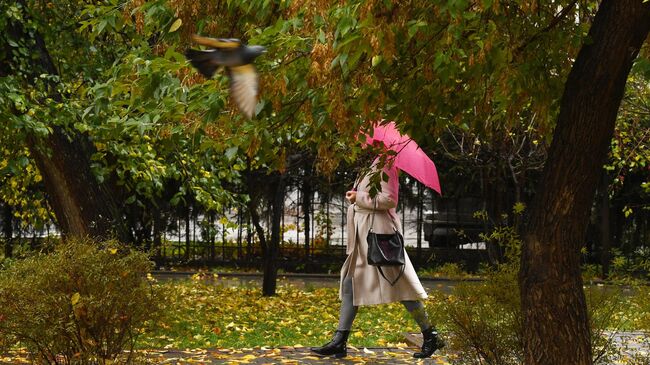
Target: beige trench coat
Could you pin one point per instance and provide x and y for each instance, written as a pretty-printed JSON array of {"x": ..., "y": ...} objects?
[{"x": 368, "y": 286}]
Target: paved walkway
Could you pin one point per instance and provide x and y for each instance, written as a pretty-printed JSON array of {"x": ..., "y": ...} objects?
[
  {"x": 292, "y": 355},
  {"x": 264, "y": 356},
  {"x": 631, "y": 344}
]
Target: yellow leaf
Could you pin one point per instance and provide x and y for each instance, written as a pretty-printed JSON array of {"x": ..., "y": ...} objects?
[
  {"x": 113, "y": 251},
  {"x": 401, "y": 345},
  {"x": 519, "y": 207},
  {"x": 177, "y": 24},
  {"x": 75, "y": 298}
]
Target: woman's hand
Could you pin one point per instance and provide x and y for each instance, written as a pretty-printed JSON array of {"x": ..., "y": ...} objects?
[{"x": 351, "y": 196}]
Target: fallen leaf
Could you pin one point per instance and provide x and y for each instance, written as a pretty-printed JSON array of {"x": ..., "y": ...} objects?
[{"x": 75, "y": 298}]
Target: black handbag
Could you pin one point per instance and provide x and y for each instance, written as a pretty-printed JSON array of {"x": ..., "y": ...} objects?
[{"x": 385, "y": 249}]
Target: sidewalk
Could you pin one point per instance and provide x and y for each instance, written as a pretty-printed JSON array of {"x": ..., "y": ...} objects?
[
  {"x": 292, "y": 355},
  {"x": 632, "y": 345},
  {"x": 289, "y": 355}
]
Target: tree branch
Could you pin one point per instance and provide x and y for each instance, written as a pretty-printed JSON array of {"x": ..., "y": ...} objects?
[{"x": 556, "y": 20}]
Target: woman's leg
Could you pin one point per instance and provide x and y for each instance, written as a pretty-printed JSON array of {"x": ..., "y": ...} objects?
[
  {"x": 338, "y": 345},
  {"x": 430, "y": 340},
  {"x": 416, "y": 308},
  {"x": 348, "y": 310}
]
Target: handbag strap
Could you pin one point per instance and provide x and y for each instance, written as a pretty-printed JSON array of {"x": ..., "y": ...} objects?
[
  {"x": 372, "y": 220},
  {"x": 398, "y": 276}
]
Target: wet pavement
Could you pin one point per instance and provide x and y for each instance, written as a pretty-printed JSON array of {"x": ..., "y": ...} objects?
[
  {"x": 634, "y": 347},
  {"x": 300, "y": 281},
  {"x": 295, "y": 355},
  {"x": 263, "y": 355}
]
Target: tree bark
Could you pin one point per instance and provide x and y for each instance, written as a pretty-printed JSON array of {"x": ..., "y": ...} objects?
[{"x": 553, "y": 303}]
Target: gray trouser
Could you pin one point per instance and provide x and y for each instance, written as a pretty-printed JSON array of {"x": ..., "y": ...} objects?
[{"x": 349, "y": 310}]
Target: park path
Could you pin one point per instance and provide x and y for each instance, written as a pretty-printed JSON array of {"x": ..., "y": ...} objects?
[
  {"x": 631, "y": 344},
  {"x": 292, "y": 355},
  {"x": 288, "y": 355}
]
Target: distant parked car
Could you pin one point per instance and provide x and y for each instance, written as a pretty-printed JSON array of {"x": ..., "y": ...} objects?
[{"x": 453, "y": 223}]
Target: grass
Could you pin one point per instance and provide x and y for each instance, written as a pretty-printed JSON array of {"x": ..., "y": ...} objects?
[
  {"x": 208, "y": 314},
  {"x": 199, "y": 314}
]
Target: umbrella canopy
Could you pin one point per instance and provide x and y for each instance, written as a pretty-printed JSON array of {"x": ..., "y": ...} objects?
[{"x": 409, "y": 158}]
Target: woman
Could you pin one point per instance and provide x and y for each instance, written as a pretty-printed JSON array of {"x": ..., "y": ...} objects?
[{"x": 361, "y": 283}]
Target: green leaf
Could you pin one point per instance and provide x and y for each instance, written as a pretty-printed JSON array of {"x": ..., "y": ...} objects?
[
  {"x": 177, "y": 24},
  {"x": 376, "y": 60},
  {"x": 231, "y": 152}
]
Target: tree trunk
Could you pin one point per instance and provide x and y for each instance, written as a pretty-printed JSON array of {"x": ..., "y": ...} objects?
[
  {"x": 604, "y": 225},
  {"x": 276, "y": 195},
  {"x": 83, "y": 206},
  {"x": 188, "y": 238},
  {"x": 158, "y": 228},
  {"x": 274, "y": 186},
  {"x": 553, "y": 302},
  {"x": 8, "y": 230},
  {"x": 306, "y": 208}
]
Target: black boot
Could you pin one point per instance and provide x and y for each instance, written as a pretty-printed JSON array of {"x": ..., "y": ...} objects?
[
  {"x": 337, "y": 347},
  {"x": 430, "y": 344}
]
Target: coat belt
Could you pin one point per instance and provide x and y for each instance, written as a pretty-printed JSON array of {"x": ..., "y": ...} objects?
[{"x": 360, "y": 210}]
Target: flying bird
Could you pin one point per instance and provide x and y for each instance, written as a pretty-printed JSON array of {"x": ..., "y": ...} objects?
[{"x": 237, "y": 58}]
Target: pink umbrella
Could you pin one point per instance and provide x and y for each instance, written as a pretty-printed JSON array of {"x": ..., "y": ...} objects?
[{"x": 410, "y": 158}]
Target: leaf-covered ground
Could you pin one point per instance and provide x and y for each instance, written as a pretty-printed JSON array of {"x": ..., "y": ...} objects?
[
  {"x": 294, "y": 355},
  {"x": 207, "y": 320},
  {"x": 206, "y": 314},
  {"x": 265, "y": 356}
]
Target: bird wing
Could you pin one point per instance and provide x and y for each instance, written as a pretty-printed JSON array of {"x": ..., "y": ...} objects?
[
  {"x": 216, "y": 42},
  {"x": 204, "y": 61},
  {"x": 244, "y": 85}
]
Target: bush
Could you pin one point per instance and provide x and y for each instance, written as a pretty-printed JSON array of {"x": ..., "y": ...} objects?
[
  {"x": 83, "y": 303},
  {"x": 448, "y": 270},
  {"x": 486, "y": 323},
  {"x": 485, "y": 320},
  {"x": 630, "y": 267},
  {"x": 605, "y": 318}
]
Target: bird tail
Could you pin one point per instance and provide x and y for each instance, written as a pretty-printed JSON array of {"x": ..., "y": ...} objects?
[{"x": 203, "y": 61}]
